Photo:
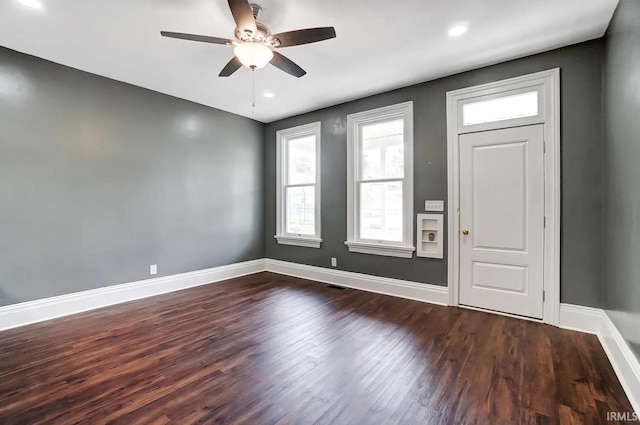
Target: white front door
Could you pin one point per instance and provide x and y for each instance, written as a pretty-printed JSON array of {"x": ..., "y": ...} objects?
[{"x": 502, "y": 220}]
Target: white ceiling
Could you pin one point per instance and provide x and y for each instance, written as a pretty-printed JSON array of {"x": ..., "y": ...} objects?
[{"x": 381, "y": 44}]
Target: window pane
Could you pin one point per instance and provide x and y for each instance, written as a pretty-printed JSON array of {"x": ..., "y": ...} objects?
[
  {"x": 302, "y": 160},
  {"x": 382, "y": 150},
  {"x": 301, "y": 217},
  {"x": 502, "y": 108},
  {"x": 381, "y": 211}
]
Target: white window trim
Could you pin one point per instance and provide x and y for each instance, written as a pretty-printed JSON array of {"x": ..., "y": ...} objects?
[
  {"x": 403, "y": 249},
  {"x": 284, "y": 238}
]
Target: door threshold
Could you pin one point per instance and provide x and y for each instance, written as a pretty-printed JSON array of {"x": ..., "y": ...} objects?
[{"x": 501, "y": 313}]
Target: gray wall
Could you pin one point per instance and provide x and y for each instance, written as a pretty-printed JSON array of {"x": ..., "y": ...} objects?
[
  {"x": 100, "y": 179},
  {"x": 622, "y": 172},
  {"x": 581, "y": 91}
]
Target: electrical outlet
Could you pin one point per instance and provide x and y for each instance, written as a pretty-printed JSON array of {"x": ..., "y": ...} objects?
[
  {"x": 334, "y": 262},
  {"x": 153, "y": 269}
]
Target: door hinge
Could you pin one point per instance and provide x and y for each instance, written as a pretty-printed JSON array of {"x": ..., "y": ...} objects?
[
  {"x": 544, "y": 221},
  {"x": 544, "y": 147},
  {"x": 544, "y": 296}
]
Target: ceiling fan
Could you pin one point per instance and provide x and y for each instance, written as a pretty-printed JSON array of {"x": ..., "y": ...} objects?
[{"x": 254, "y": 43}]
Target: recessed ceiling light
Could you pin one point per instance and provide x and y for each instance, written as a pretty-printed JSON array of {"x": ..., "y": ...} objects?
[
  {"x": 34, "y": 4},
  {"x": 458, "y": 29},
  {"x": 269, "y": 94}
]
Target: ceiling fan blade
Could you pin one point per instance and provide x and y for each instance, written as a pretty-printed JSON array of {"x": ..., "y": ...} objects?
[
  {"x": 233, "y": 65},
  {"x": 193, "y": 37},
  {"x": 306, "y": 36},
  {"x": 243, "y": 15},
  {"x": 287, "y": 65}
]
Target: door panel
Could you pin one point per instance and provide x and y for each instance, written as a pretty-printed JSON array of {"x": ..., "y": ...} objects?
[
  {"x": 499, "y": 228},
  {"x": 500, "y": 277},
  {"x": 502, "y": 208}
]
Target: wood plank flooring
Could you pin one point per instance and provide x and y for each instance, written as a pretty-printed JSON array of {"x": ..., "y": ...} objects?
[{"x": 271, "y": 349}]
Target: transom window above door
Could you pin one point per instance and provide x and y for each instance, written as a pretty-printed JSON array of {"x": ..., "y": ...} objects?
[{"x": 499, "y": 108}]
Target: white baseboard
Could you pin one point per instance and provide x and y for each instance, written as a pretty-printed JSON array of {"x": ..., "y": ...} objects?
[
  {"x": 579, "y": 318},
  {"x": 624, "y": 362},
  {"x": 16, "y": 315},
  {"x": 382, "y": 285},
  {"x": 26, "y": 313}
]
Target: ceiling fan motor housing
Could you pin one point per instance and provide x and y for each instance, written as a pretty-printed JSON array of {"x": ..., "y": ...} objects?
[
  {"x": 263, "y": 31},
  {"x": 261, "y": 37}
]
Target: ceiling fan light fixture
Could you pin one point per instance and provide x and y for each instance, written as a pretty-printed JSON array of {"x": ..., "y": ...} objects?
[{"x": 253, "y": 55}]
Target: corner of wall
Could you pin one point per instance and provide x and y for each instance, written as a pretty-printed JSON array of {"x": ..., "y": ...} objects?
[
  {"x": 265, "y": 187},
  {"x": 603, "y": 152}
]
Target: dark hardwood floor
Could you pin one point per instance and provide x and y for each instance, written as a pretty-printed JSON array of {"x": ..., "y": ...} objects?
[{"x": 270, "y": 349}]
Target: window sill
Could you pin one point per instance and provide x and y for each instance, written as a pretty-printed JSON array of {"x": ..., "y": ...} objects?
[
  {"x": 298, "y": 241},
  {"x": 381, "y": 249}
]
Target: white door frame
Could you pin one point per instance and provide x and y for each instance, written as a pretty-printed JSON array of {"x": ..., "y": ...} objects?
[{"x": 547, "y": 83}]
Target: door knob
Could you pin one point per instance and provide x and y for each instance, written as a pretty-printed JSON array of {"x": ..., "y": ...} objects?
[{"x": 465, "y": 232}]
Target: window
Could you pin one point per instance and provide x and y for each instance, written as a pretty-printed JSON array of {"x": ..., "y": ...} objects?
[
  {"x": 380, "y": 181},
  {"x": 298, "y": 186},
  {"x": 501, "y": 108}
]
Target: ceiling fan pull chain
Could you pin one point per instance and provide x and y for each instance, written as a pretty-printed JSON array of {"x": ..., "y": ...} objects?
[{"x": 253, "y": 99}]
